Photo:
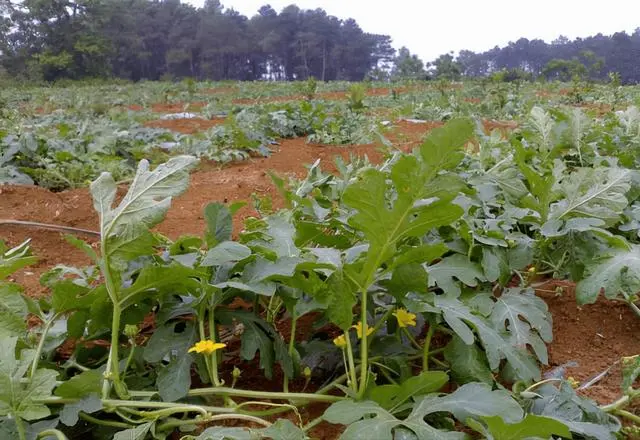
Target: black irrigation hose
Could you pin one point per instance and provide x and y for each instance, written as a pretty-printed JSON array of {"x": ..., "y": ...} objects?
[{"x": 49, "y": 227}]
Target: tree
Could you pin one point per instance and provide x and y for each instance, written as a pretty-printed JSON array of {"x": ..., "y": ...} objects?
[
  {"x": 561, "y": 59},
  {"x": 445, "y": 67},
  {"x": 151, "y": 39},
  {"x": 564, "y": 70},
  {"x": 408, "y": 66}
]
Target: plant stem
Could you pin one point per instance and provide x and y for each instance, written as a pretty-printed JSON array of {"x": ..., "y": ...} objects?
[
  {"x": 427, "y": 346},
  {"x": 120, "y": 412},
  {"x": 332, "y": 385},
  {"x": 612, "y": 407},
  {"x": 86, "y": 417},
  {"x": 175, "y": 409},
  {"x": 380, "y": 323},
  {"x": 52, "y": 432},
  {"x": 129, "y": 359},
  {"x": 411, "y": 338},
  {"x": 440, "y": 363},
  {"x": 203, "y": 336},
  {"x": 112, "y": 372},
  {"x": 364, "y": 345},
  {"x": 627, "y": 415},
  {"x": 72, "y": 363},
  {"x": 386, "y": 375},
  {"x": 36, "y": 357},
  {"x": 214, "y": 356},
  {"x": 542, "y": 382},
  {"x": 139, "y": 404},
  {"x": 224, "y": 391},
  {"x": 20, "y": 427},
  {"x": 351, "y": 366},
  {"x": 445, "y": 330},
  {"x": 621, "y": 402},
  {"x": 631, "y": 304},
  {"x": 276, "y": 408},
  {"x": 312, "y": 424},
  {"x": 266, "y": 412},
  {"x": 164, "y": 405},
  {"x": 209, "y": 419},
  {"x": 292, "y": 342}
]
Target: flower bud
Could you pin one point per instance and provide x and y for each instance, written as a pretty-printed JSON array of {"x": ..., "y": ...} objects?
[{"x": 131, "y": 331}]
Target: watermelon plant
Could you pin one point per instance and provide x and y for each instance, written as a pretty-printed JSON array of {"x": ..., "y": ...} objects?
[{"x": 422, "y": 269}]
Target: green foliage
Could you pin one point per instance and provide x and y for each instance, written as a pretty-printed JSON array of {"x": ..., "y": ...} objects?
[
  {"x": 347, "y": 128},
  {"x": 446, "y": 68},
  {"x": 511, "y": 75},
  {"x": 17, "y": 399},
  {"x": 564, "y": 70},
  {"x": 309, "y": 88},
  {"x": 470, "y": 401},
  {"x": 118, "y": 38},
  {"x": 618, "y": 274},
  {"x": 407, "y": 66},
  {"x": 529, "y": 427},
  {"x": 356, "y": 97},
  {"x": 422, "y": 269}
]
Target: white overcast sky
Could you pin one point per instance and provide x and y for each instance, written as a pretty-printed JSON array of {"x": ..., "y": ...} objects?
[{"x": 433, "y": 27}]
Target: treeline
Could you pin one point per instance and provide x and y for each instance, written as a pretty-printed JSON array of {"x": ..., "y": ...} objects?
[
  {"x": 161, "y": 39},
  {"x": 588, "y": 58}
]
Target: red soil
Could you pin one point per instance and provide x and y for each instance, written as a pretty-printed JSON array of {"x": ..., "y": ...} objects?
[
  {"x": 177, "y": 107},
  {"x": 593, "y": 336},
  {"x": 185, "y": 126}
]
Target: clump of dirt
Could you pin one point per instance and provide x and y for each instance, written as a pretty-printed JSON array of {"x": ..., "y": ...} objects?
[
  {"x": 505, "y": 127},
  {"x": 185, "y": 126},
  {"x": 600, "y": 109}
]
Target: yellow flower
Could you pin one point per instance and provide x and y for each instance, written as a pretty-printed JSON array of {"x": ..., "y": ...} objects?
[
  {"x": 405, "y": 319},
  {"x": 358, "y": 328},
  {"x": 573, "y": 382},
  {"x": 206, "y": 347},
  {"x": 341, "y": 341}
]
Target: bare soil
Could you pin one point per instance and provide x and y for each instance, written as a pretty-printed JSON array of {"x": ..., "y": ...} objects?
[
  {"x": 176, "y": 107},
  {"x": 185, "y": 126}
]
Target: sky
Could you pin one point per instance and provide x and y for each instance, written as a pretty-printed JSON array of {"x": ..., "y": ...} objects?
[{"x": 430, "y": 28}]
